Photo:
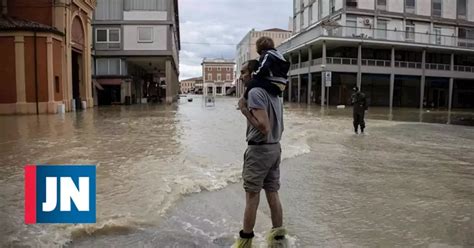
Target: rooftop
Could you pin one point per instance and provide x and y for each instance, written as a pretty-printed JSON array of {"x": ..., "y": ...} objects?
[
  {"x": 192, "y": 79},
  {"x": 9, "y": 23},
  {"x": 276, "y": 30},
  {"x": 221, "y": 60}
]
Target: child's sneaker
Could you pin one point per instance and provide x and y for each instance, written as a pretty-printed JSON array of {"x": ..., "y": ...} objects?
[
  {"x": 276, "y": 237},
  {"x": 244, "y": 240}
]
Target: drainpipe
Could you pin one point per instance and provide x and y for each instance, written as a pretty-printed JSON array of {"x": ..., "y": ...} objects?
[{"x": 36, "y": 74}]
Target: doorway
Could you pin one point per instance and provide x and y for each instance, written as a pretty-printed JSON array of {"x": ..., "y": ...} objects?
[{"x": 76, "y": 78}]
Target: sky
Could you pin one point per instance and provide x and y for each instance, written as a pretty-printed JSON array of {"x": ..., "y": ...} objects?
[{"x": 213, "y": 28}]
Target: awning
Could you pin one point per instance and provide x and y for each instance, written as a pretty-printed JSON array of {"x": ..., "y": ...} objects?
[
  {"x": 109, "y": 81},
  {"x": 97, "y": 85}
]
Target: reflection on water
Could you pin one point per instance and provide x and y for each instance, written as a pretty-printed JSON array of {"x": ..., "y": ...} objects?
[
  {"x": 148, "y": 157},
  {"x": 456, "y": 117}
]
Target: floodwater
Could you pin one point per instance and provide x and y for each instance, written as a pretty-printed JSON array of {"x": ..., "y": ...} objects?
[{"x": 169, "y": 176}]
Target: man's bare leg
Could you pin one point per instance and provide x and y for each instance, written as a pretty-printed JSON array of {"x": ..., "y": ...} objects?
[
  {"x": 275, "y": 208},
  {"x": 250, "y": 215}
]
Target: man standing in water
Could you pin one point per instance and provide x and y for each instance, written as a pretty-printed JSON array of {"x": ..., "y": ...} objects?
[
  {"x": 261, "y": 170},
  {"x": 359, "y": 101}
]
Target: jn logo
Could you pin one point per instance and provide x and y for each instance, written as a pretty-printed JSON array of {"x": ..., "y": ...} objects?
[{"x": 59, "y": 194}]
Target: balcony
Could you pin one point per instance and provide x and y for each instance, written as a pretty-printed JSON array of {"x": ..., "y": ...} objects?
[
  {"x": 383, "y": 63},
  {"x": 372, "y": 34}
]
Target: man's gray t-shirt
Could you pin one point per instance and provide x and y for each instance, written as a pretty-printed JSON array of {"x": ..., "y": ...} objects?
[{"x": 260, "y": 99}]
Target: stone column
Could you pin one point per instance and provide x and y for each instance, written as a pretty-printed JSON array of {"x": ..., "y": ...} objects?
[
  {"x": 392, "y": 79},
  {"x": 298, "y": 96},
  {"x": 52, "y": 108},
  {"x": 168, "y": 71},
  {"x": 323, "y": 63},
  {"x": 423, "y": 78},
  {"x": 451, "y": 84},
  {"x": 299, "y": 88},
  {"x": 87, "y": 64},
  {"x": 310, "y": 76},
  {"x": 68, "y": 62},
  {"x": 20, "y": 74},
  {"x": 359, "y": 67},
  {"x": 289, "y": 79}
]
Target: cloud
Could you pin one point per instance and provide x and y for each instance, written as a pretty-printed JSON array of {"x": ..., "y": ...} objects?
[{"x": 213, "y": 28}]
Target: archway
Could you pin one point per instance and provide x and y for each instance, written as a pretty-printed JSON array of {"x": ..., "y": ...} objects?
[{"x": 77, "y": 62}]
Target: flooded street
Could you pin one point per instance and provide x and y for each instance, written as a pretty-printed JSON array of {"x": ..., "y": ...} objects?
[{"x": 169, "y": 176}]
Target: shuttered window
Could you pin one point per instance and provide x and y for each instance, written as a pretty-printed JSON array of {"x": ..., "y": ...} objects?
[{"x": 437, "y": 8}]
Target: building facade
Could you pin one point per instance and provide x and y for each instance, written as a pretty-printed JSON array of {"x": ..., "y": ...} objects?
[
  {"x": 136, "y": 45},
  {"x": 246, "y": 49},
  {"x": 191, "y": 85},
  {"x": 46, "y": 50},
  {"x": 218, "y": 76},
  {"x": 401, "y": 53}
]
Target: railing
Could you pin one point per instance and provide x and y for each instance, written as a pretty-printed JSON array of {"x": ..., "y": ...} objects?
[
  {"x": 464, "y": 68},
  {"x": 317, "y": 61},
  {"x": 407, "y": 64},
  {"x": 341, "y": 61},
  {"x": 382, "y": 63},
  {"x": 441, "y": 67},
  {"x": 362, "y": 33},
  {"x": 376, "y": 62}
]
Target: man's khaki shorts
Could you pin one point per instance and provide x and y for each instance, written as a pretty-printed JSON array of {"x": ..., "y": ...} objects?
[{"x": 262, "y": 168}]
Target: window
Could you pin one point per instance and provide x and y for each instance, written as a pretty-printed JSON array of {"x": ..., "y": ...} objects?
[
  {"x": 351, "y": 3},
  {"x": 209, "y": 77},
  {"x": 107, "y": 35},
  {"x": 332, "y": 7},
  {"x": 436, "y": 8},
  {"x": 145, "y": 34},
  {"x": 114, "y": 67},
  {"x": 351, "y": 23},
  {"x": 108, "y": 66},
  {"x": 227, "y": 77},
  {"x": 462, "y": 9},
  {"x": 102, "y": 66},
  {"x": 219, "y": 77},
  {"x": 465, "y": 33},
  {"x": 382, "y": 29},
  {"x": 56, "y": 84},
  {"x": 410, "y": 6},
  {"x": 320, "y": 9},
  {"x": 382, "y": 4},
  {"x": 437, "y": 33},
  {"x": 294, "y": 24},
  {"x": 209, "y": 69},
  {"x": 410, "y": 31},
  {"x": 218, "y": 69},
  {"x": 145, "y": 5},
  {"x": 101, "y": 35},
  {"x": 227, "y": 69},
  {"x": 310, "y": 14},
  {"x": 114, "y": 35}
]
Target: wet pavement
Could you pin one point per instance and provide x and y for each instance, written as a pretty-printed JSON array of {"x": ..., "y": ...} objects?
[{"x": 168, "y": 176}]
